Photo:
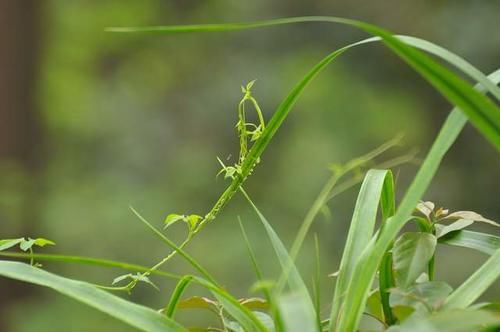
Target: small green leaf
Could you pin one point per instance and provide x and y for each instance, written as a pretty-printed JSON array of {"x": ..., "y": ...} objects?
[
  {"x": 172, "y": 218},
  {"x": 41, "y": 242},
  {"x": 411, "y": 254},
  {"x": 9, "y": 243},
  {"x": 27, "y": 244},
  {"x": 136, "y": 278},
  {"x": 426, "y": 209},
  {"x": 193, "y": 220}
]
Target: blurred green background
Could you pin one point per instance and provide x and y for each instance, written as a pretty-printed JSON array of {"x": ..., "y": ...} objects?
[{"x": 92, "y": 122}]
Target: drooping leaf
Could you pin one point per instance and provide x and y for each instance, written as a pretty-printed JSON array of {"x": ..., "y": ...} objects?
[
  {"x": 470, "y": 215},
  {"x": 135, "y": 315},
  {"x": 411, "y": 254}
]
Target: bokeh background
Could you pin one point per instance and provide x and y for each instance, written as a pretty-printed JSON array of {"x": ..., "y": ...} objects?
[{"x": 92, "y": 122}]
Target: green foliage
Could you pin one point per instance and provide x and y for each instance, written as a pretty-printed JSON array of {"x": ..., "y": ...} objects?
[{"x": 407, "y": 298}]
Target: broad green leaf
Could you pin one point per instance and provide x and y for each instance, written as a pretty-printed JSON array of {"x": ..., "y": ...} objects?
[
  {"x": 360, "y": 230},
  {"x": 198, "y": 302},
  {"x": 411, "y": 254},
  {"x": 476, "y": 284},
  {"x": 427, "y": 296},
  {"x": 9, "y": 243},
  {"x": 295, "y": 313},
  {"x": 483, "y": 242},
  {"x": 449, "y": 321},
  {"x": 142, "y": 318}
]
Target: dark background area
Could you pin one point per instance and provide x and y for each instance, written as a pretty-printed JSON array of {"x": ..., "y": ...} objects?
[{"x": 92, "y": 122}]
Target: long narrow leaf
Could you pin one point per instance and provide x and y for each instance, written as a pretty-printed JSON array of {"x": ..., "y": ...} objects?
[
  {"x": 360, "y": 231},
  {"x": 296, "y": 307},
  {"x": 133, "y": 314},
  {"x": 88, "y": 261},
  {"x": 484, "y": 114}
]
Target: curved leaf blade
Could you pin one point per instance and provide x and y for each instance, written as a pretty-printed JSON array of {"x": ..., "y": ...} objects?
[
  {"x": 486, "y": 243},
  {"x": 135, "y": 315}
]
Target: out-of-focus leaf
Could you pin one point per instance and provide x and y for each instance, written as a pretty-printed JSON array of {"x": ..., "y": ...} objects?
[
  {"x": 449, "y": 321},
  {"x": 402, "y": 312},
  {"x": 411, "y": 254},
  {"x": 374, "y": 305},
  {"x": 427, "y": 296}
]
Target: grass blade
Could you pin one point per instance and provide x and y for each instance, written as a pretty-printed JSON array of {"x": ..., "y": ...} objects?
[
  {"x": 476, "y": 284},
  {"x": 176, "y": 295},
  {"x": 360, "y": 231},
  {"x": 244, "y": 316},
  {"x": 486, "y": 243},
  {"x": 484, "y": 114},
  {"x": 297, "y": 309},
  {"x": 133, "y": 314},
  {"x": 88, "y": 261}
]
